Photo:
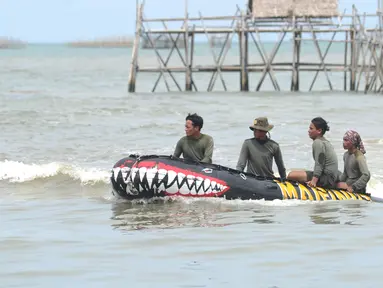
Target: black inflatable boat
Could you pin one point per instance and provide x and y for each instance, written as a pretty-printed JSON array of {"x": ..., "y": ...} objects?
[{"x": 147, "y": 176}]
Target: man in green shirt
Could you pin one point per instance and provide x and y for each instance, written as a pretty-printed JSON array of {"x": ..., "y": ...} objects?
[
  {"x": 195, "y": 145},
  {"x": 258, "y": 152},
  {"x": 325, "y": 172}
]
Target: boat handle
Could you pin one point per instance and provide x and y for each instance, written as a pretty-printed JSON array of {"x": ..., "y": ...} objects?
[
  {"x": 207, "y": 170},
  {"x": 243, "y": 176}
]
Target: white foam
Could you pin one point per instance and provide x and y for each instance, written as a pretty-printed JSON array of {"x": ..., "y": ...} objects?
[
  {"x": 223, "y": 201},
  {"x": 375, "y": 188},
  {"x": 19, "y": 172},
  {"x": 89, "y": 175}
]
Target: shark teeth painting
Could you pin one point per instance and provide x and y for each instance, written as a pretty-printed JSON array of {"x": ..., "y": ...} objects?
[{"x": 159, "y": 177}]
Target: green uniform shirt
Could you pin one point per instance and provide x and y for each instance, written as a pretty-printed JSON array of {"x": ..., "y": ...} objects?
[
  {"x": 326, "y": 161},
  {"x": 356, "y": 173},
  {"x": 198, "y": 149},
  {"x": 259, "y": 158}
]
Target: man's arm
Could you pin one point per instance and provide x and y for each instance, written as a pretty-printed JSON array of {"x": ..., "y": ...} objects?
[
  {"x": 178, "y": 151},
  {"x": 208, "y": 155},
  {"x": 343, "y": 177},
  {"x": 280, "y": 164},
  {"x": 319, "y": 158},
  {"x": 243, "y": 157},
  {"x": 365, "y": 177}
]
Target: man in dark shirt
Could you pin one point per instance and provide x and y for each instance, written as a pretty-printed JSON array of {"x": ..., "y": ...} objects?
[
  {"x": 195, "y": 145},
  {"x": 258, "y": 152}
]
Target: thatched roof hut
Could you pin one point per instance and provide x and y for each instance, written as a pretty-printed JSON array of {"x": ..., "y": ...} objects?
[{"x": 287, "y": 8}]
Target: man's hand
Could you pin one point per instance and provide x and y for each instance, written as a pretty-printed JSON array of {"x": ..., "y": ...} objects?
[
  {"x": 349, "y": 189},
  {"x": 313, "y": 182}
]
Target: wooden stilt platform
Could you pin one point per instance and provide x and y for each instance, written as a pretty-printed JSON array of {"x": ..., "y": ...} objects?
[{"x": 358, "y": 61}]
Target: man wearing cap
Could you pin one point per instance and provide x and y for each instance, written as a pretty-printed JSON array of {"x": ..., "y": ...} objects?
[{"x": 258, "y": 152}]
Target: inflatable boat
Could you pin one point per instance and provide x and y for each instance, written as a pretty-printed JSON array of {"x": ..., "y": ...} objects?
[{"x": 148, "y": 176}]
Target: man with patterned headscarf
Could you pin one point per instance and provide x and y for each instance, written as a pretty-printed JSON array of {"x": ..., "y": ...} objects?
[{"x": 355, "y": 174}]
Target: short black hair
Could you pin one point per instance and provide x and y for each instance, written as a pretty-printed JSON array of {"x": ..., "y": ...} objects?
[
  {"x": 320, "y": 123},
  {"x": 195, "y": 119}
]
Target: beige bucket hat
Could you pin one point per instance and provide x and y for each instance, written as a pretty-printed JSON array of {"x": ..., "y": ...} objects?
[{"x": 261, "y": 123}]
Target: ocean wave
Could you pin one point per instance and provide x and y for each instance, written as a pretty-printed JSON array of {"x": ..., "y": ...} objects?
[
  {"x": 19, "y": 172},
  {"x": 56, "y": 175}
]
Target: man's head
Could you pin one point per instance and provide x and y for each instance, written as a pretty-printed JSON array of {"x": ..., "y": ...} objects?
[
  {"x": 193, "y": 124},
  {"x": 260, "y": 127},
  {"x": 318, "y": 127}
]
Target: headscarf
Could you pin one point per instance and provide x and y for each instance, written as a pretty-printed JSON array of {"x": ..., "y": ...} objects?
[{"x": 355, "y": 139}]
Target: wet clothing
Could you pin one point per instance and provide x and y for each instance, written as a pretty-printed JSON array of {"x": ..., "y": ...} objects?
[
  {"x": 324, "y": 181},
  {"x": 326, "y": 163},
  {"x": 356, "y": 173},
  {"x": 197, "y": 149},
  {"x": 258, "y": 156}
]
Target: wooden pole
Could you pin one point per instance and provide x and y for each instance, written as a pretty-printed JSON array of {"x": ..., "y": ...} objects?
[
  {"x": 188, "y": 79},
  {"x": 252, "y": 68},
  {"x": 353, "y": 53},
  {"x": 244, "y": 55},
  {"x": 345, "y": 62},
  {"x": 361, "y": 50},
  {"x": 368, "y": 76},
  {"x": 296, "y": 52},
  {"x": 380, "y": 16},
  {"x": 380, "y": 59},
  {"x": 297, "y": 64},
  {"x": 213, "y": 30},
  {"x": 264, "y": 20},
  {"x": 133, "y": 65},
  {"x": 192, "y": 58}
]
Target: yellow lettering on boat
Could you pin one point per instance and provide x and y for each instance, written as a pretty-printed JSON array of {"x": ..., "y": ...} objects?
[
  {"x": 288, "y": 190},
  {"x": 323, "y": 193},
  {"x": 305, "y": 192},
  {"x": 329, "y": 192},
  {"x": 365, "y": 197},
  {"x": 349, "y": 195},
  {"x": 339, "y": 194},
  {"x": 358, "y": 196},
  {"x": 316, "y": 193}
]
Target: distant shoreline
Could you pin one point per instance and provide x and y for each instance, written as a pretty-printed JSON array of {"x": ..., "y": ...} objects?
[
  {"x": 115, "y": 42},
  {"x": 10, "y": 43}
]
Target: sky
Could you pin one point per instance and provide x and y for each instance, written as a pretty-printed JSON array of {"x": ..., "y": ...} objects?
[{"x": 54, "y": 21}]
